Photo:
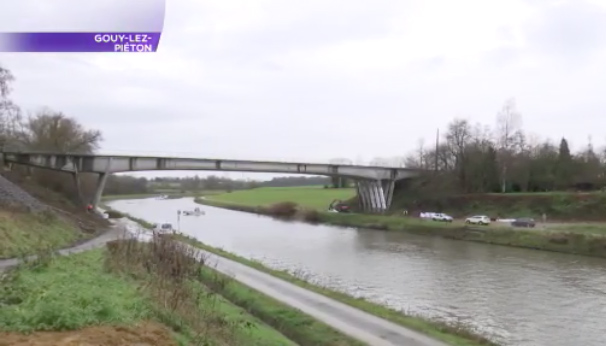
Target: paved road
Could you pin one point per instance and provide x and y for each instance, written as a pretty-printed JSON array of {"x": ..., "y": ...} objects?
[
  {"x": 359, "y": 324},
  {"x": 356, "y": 323}
]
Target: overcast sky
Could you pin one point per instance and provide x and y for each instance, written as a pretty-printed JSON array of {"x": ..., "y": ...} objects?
[{"x": 312, "y": 80}]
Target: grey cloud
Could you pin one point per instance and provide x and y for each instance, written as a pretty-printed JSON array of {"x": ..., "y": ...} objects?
[{"x": 573, "y": 30}]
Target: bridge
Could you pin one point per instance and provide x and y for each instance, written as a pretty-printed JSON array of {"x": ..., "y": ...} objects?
[{"x": 374, "y": 185}]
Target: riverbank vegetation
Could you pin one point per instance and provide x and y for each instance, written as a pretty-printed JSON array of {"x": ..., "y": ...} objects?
[
  {"x": 581, "y": 239},
  {"x": 453, "y": 334},
  {"x": 449, "y": 333},
  {"x": 157, "y": 284},
  {"x": 532, "y": 176}
]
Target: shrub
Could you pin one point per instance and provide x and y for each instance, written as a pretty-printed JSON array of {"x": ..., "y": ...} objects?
[{"x": 283, "y": 209}]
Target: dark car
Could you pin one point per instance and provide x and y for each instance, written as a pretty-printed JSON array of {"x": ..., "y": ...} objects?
[
  {"x": 338, "y": 206},
  {"x": 523, "y": 222}
]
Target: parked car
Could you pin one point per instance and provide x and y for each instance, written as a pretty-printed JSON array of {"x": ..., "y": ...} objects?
[
  {"x": 163, "y": 228},
  {"x": 338, "y": 206},
  {"x": 441, "y": 217},
  {"x": 478, "y": 220},
  {"x": 523, "y": 222}
]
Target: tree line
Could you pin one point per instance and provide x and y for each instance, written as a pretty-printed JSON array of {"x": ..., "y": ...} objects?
[
  {"x": 126, "y": 184},
  {"x": 472, "y": 158}
]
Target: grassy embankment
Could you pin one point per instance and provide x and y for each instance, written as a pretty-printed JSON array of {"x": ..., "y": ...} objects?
[
  {"x": 155, "y": 286},
  {"x": 459, "y": 335},
  {"x": 23, "y": 233},
  {"x": 578, "y": 238}
]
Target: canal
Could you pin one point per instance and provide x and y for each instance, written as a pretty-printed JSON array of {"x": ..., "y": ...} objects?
[{"x": 519, "y": 297}]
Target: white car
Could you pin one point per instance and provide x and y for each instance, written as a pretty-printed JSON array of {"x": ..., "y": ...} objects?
[
  {"x": 163, "y": 228},
  {"x": 441, "y": 217},
  {"x": 478, "y": 220}
]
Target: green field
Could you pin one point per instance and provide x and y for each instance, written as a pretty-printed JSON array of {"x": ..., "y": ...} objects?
[{"x": 314, "y": 197}]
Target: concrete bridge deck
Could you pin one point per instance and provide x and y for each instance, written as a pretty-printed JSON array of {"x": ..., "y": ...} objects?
[
  {"x": 375, "y": 185},
  {"x": 124, "y": 163}
]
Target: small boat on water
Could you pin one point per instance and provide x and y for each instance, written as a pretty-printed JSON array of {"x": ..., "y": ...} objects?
[{"x": 195, "y": 212}]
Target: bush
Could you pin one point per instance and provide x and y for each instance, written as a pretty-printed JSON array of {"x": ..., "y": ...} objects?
[
  {"x": 113, "y": 214},
  {"x": 283, "y": 209},
  {"x": 308, "y": 215}
]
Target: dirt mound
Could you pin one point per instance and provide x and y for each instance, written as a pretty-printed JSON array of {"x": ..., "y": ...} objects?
[{"x": 144, "y": 334}]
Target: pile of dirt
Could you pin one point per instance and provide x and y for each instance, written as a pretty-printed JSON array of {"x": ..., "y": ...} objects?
[{"x": 144, "y": 334}]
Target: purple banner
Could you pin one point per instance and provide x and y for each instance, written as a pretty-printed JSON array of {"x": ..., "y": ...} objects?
[{"x": 122, "y": 42}]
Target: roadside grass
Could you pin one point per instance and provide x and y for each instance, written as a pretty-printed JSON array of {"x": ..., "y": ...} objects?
[
  {"x": 457, "y": 334},
  {"x": 314, "y": 197},
  {"x": 66, "y": 294},
  {"x": 290, "y": 322},
  {"x": 294, "y": 324},
  {"x": 23, "y": 233},
  {"x": 172, "y": 277}
]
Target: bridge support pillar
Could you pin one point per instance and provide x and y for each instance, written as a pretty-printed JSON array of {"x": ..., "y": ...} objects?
[
  {"x": 375, "y": 196},
  {"x": 99, "y": 191},
  {"x": 76, "y": 177}
]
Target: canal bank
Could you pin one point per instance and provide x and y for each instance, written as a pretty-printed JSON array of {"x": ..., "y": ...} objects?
[
  {"x": 516, "y": 296},
  {"x": 585, "y": 241},
  {"x": 388, "y": 323}
]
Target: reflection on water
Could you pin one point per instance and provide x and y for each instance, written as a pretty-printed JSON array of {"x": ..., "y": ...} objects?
[{"x": 522, "y": 297}]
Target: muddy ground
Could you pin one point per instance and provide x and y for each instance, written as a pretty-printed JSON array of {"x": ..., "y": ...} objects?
[{"x": 144, "y": 334}]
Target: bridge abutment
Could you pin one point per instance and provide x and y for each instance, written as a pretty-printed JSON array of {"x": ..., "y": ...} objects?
[
  {"x": 375, "y": 196},
  {"x": 99, "y": 190}
]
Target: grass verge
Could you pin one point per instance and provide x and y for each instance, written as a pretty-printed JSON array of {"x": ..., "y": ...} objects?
[
  {"x": 24, "y": 233},
  {"x": 458, "y": 335},
  {"x": 452, "y": 334},
  {"x": 64, "y": 294}
]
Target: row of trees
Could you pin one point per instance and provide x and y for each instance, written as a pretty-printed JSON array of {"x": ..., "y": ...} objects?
[{"x": 472, "y": 158}]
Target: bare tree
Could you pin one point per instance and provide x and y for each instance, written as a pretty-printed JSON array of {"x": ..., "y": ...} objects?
[
  {"x": 10, "y": 114},
  {"x": 509, "y": 122},
  {"x": 53, "y": 131}
]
